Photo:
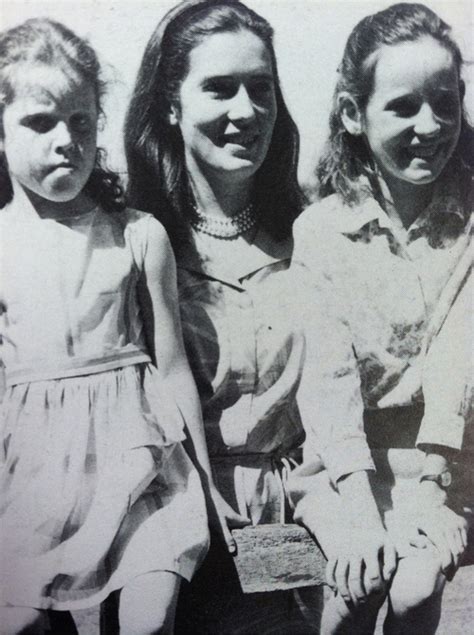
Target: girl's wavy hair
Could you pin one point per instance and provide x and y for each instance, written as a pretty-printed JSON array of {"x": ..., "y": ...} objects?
[
  {"x": 347, "y": 157},
  {"x": 43, "y": 41},
  {"x": 158, "y": 180}
]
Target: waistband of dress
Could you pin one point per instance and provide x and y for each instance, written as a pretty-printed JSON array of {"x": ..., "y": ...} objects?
[
  {"x": 252, "y": 458},
  {"x": 73, "y": 367}
]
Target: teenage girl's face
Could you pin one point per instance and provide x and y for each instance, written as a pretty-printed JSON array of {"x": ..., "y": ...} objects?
[
  {"x": 413, "y": 116},
  {"x": 50, "y": 132},
  {"x": 227, "y": 105}
]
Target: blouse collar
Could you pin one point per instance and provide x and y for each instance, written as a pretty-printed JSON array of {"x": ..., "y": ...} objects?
[
  {"x": 263, "y": 251},
  {"x": 446, "y": 206}
]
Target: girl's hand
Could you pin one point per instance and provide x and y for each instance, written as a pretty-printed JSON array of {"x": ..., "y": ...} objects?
[
  {"x": 222, "y": 518},
  {"x": 446, "y": 530},
  {"x": 363, "y": 566}
]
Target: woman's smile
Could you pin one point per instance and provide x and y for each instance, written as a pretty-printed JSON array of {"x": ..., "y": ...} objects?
[{"x": 227, "y": 106}]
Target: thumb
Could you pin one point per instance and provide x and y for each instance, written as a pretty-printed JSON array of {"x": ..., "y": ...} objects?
[{"x": 237, "y": 521}]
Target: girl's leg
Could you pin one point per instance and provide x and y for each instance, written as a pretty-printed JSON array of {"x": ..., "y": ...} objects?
[
  {"x": 22, "y": 621},
  {"x": 147, "y": 604},
  {"x": 340, "y": 619},
  {"x": 415, "y": 595}
]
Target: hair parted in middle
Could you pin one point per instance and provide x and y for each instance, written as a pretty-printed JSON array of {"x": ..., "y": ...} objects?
[
  {"x": 347, "y": 157},
  {"x": 158, "y": 180}
]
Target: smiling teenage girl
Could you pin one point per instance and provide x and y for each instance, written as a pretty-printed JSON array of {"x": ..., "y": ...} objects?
[
  {"x": 386, "y": 253},
  {"x": 97, "y": 492},
  {"x": 212, "y": 152}
]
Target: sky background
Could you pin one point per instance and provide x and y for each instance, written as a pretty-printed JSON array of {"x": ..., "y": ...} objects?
[{"x": 309, "y": 40}]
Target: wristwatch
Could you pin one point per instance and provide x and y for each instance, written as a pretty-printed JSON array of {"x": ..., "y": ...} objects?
[{"x": 443, "y": 479}]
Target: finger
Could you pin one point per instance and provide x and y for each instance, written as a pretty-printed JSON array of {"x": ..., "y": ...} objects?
[
  {"x": 463, "y": 534},
  {"x": 389, "y": 561},
  {"x": 373, "y": 580},
  {"x": 237, "y": 521},
  {"x": 330, "y": 573},
  {"x": 417, "y": 540},
  {"x": 454, "y": 542},
  {"x": 340, "y": 576},
  {"x": 229, "y": 541},
  {"x": 355, "y": 583},
  {"x": 440, "y": 542}
]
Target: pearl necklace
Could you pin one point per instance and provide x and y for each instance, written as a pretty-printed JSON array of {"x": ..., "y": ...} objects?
[{"x": 224, "y": 227}]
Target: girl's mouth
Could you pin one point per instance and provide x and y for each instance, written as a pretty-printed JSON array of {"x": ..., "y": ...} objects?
[
  {"x": 245, "y": 140},
  {"x": 423, "y": 151}
]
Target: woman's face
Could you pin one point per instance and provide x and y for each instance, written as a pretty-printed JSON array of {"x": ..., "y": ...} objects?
[
  {"x": 227, "y": 106},
  {"x": 413, "y": 117}
]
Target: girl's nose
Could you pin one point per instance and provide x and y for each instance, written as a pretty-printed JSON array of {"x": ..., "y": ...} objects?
[
  {"x": 426, "y": 123},
  {"x": 63, "y": 139},
  {"x": 241, "y": 106}
]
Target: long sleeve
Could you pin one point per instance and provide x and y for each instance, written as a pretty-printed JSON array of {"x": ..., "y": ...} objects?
[
  {"x": 447, "y": 378},
  {"x": 329, "y": 396}
]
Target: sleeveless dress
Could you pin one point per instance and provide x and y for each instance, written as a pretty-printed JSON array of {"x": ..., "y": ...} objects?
[{"x": 82, "y": 397}]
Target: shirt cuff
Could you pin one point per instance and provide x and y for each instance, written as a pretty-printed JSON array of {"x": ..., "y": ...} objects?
[
  {"x": 348, "y": 456},
  {"x": 439, "y": 429}
]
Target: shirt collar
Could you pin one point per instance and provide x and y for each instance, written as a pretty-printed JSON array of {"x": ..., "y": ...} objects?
[
  {"x": 264, "y": 251},
  {"x": 446, "y": 206}
]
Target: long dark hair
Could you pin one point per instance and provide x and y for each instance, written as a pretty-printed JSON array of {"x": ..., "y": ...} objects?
[
  {"x": 50, "y": 43},
  {"x": 347, "y": 157},
  {"x": 158, "y": 180}
]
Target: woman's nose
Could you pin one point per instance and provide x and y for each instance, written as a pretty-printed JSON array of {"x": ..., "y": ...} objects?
[
  {"x": 426, "y": 122},
  {"x": 241, "y": 106},
  {"x": 63, "y": 138}
]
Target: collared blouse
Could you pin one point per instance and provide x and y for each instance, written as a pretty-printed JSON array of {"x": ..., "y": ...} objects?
[
  {"x": 370, "y": 293},
  {"x": 244, "y": 348}
]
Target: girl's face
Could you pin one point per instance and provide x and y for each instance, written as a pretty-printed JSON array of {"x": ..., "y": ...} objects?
[
  {"x": 413, "y": 116},
  {"x": 227, "y": 105},
  {"x": 50, "y": 132}
]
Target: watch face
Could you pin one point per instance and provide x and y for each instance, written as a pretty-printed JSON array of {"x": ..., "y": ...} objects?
[{"x": 445, "y": 479}]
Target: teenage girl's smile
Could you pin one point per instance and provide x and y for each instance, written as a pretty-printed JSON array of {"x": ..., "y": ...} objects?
[
  {"x": 227, "y": 104},
  {"x": 413, "y": 116},
  {"x": 50, "y": 131}
]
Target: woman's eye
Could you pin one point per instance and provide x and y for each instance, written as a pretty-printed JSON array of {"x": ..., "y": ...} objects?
[
  {"x": 40, "y": 123},
  {"x": 81, "y": 123},
  {"x": 446, "y": 105},
  {"x": 261, "y": 88},
  {"x": 221, "y": 88}
]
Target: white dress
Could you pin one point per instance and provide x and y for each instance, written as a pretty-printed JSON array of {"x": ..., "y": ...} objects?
[{"x": 82, "y": 397}]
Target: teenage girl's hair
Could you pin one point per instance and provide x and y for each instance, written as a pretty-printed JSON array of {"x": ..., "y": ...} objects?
[
  {"x": 158, "y": 180},
  {"x": 347, "y": 157},
  {"x": 43, "y": 41}
]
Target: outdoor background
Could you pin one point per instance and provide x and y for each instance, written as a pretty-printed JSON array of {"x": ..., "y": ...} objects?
[{"x": 309, "y": 40}]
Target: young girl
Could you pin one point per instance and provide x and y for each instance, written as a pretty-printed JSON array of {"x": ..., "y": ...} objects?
[
  {"x": 97, "y": 492},
  {"x": 385, "y": 257}
]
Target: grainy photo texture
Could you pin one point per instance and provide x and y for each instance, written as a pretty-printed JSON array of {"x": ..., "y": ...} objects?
[{"x": 235, "y": 317}]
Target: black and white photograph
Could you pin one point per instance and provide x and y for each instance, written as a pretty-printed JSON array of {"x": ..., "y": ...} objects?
[{"x": 236, "y": 334}]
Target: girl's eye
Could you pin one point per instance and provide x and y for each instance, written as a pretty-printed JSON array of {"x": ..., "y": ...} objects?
[
  {"x": 40, "y": 123},
  {"x": 446, "y": 105},
  {"x": 221, "y": 88},
  {"x": 404, "y": 107},
  {"x": 81, "y": 123},
  {"x": 261, "y": 88}
]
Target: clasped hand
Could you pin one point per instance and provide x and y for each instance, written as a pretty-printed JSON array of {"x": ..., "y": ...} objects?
[
  {"x": 363, "y": 564},
  {"x": 445, "y": 529}
]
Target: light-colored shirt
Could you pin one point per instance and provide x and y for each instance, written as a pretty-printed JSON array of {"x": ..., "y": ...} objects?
[
  {"x": 243, "y": 347},
  {"x": 368, "y": 296}
]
